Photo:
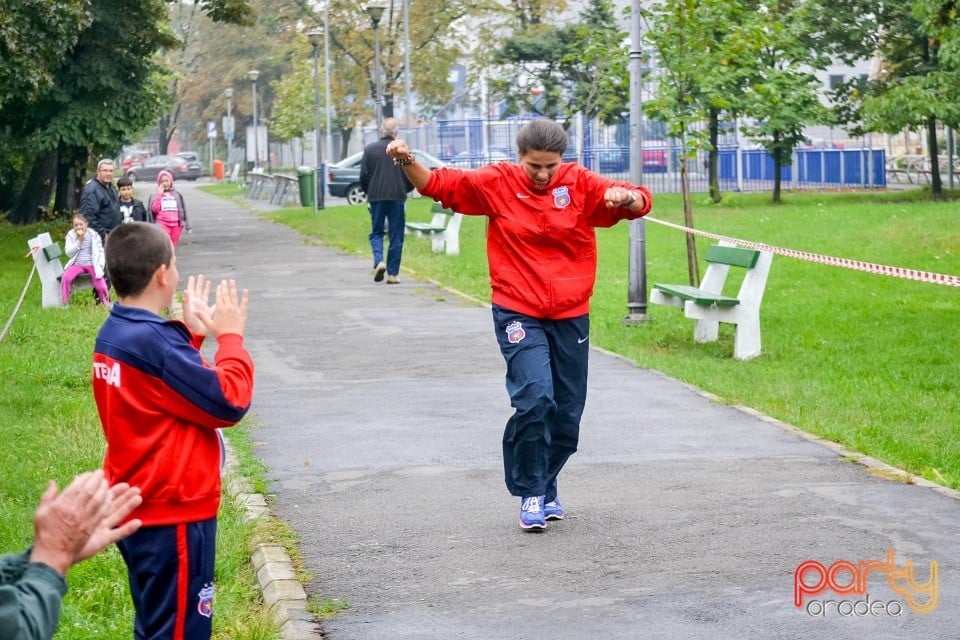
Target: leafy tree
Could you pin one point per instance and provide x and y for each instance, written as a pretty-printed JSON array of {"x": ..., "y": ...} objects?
[
  {"x": 34, "y": 36},
  {"x": 917, "y": 85},
  {"x": 293, "y": 106},
  {"x": 434, "y": 47},
  {"x": 682, "y": 36},
  {"x": 101, "y": 92},
  {"x": 558, "y": 72},
  {"x": 782, "y": 94},
  {"x": 213, "y": 56}
]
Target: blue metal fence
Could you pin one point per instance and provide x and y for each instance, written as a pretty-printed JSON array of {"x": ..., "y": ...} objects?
[{"x": 472, "y": 142}]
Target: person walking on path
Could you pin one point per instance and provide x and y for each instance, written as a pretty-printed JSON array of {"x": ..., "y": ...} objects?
[
  {"x": 168, "y": 208},
  {"x": 69, "y": 527},
  {"x": 386, "y": 188},
  {"x": 84, "y": 255},
  {"x": 161, "y": 406},
  {"x": 542, "y": 256},
  {"x": 100, "y": 202}
]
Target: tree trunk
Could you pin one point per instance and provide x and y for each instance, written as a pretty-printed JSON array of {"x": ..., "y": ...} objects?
[
  {"x": 936, "y": 183},
  {"x": 387, "y": 105},
  {"x": 166, "y": 128},
  {"x": 345, "y": 141},
  {"x": 713, "y": 157},
  {"x": 777, "y": 168},
  {"x": 70, "y": 179},
  {"x": 693, "y": 269},
  {"x": 34, "y": 198}
]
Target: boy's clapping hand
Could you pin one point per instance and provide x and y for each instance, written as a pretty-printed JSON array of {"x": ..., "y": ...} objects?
[{"x": 227, "y": 315}]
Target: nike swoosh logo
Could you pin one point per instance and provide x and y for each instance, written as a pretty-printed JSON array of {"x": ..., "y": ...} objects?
[
  {"x": 520, "y": 195},
  {"x": 582, "y": 340}
]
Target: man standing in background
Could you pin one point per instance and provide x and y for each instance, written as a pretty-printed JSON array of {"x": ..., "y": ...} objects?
[
  {"x": 100, "y": 202},
  {"x": 386, "y": 188}
]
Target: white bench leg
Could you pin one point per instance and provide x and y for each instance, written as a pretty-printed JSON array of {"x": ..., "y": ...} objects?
[
  {"x": 437, "y": 240},
  {"x": 706, "y": 331},
  {"x": 746, "y": 339},
  {"x": 453, "y": 244}
]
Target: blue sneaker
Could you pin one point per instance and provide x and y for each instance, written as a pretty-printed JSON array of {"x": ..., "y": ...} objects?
[
  {"x": 531, "y": 513},
  {"x": 553, "y": 510}
]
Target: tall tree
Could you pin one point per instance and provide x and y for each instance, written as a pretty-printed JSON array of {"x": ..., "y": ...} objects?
[
  {"x": 101, "y": 93},
  {"x": 34, "y": 36},
  {"x": 434, "y": 47},
  {"x": 559, "y": 71},
  {"x": 214, "y": 56},
  {"x": 917, "y": 85},
  {"x": 682, "y": 34},
  {"x": 782, "y": 94}
]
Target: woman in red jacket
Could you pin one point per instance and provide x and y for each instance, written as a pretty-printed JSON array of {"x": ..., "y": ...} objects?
[{"x": 542, "y": 254}]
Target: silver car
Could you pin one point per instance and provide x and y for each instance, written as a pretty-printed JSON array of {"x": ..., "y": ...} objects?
[{"x": 343, "y": 178}]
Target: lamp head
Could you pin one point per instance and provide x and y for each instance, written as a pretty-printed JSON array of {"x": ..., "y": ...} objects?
[
  {"x": 375, "y": 11},
  {"x": 228, "y": 92},
  {"x": 253, "y": 74},
  {"x": 314, "y": 36}
]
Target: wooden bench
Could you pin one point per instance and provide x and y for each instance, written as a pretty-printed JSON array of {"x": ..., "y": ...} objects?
[
  {"x": 443, "y": 230},
  {"x": 708, "y": 305}
]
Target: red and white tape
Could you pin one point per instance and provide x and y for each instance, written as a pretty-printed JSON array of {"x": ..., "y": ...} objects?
[{"x": 846, "y": 263}]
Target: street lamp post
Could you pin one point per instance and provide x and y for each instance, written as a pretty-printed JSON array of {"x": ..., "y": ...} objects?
[
  {"x": 326, "y": 82},
  {"x": 253, "y": 74},
  {"x": 314, "y": 37},
  {"x": 406, "y": 62},
  {"x": 637, "y": 280},
  {"x": 375, "y": 11},
  {"x": 228, "y": 125}
]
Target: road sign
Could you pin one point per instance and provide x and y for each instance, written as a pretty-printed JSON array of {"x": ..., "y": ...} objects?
[
  {"x": 212, "y": 129},
  {"x": 228, "y": 127}
]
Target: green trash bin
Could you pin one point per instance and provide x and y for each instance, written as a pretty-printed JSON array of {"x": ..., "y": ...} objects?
[{"x": 307, "y": 185}]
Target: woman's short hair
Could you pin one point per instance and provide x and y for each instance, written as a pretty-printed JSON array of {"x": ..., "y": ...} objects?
[
  {"x": 541, "y": 135},
  {"x": 134, "y": 252}
]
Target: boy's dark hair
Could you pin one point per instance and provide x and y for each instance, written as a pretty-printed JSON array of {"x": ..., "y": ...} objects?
[
  {"x": 124, "y": 182},
  {"x": 134, "y": 252},
  {"x": 541, "y": 135}
]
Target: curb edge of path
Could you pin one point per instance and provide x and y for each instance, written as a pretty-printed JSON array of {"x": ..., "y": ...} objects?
[{"x": 283, "y": 594}]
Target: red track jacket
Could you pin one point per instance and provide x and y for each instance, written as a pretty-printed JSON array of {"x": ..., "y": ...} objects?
[
  {"x": 160, "y": 404},
  {"x": 541, "y": 243}
]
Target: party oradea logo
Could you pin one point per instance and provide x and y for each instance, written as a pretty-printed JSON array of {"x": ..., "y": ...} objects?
[{"x": 852, "y": 581}]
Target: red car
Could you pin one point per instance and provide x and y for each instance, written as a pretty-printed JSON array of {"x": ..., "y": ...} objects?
[{"x": 134, "y": 159}]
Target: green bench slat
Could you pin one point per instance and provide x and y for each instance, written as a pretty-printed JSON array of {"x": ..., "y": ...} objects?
[
  {"x": 697, "y": 295},
  {"x": 436, "y": 207},
  {"x": 424, "y": 226},
  {"x": 734, "y": 256}
]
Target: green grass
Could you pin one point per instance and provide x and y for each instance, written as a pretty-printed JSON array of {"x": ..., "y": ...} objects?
[
  {"x": 50, "y": 430},
  {"x": 864, "y": 360},
  {"x": 327, "y": 607}
]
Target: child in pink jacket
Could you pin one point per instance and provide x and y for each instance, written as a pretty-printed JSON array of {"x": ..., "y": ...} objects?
[{"x": 168, "y": 208}]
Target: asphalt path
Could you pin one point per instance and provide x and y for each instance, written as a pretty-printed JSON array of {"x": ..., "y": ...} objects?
[{"x": 381, "y": 410}]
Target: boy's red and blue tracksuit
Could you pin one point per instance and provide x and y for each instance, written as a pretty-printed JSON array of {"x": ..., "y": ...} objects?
[
  {"x": 160, "y": 405},
  {"x": 542, "y": 256}
]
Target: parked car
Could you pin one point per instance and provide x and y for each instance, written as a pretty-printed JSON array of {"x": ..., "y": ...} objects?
[
  {"x": 134, "y": 159},
  {"x": 475, "y": 159},
  {"x": 343, "y": 178},
  {"x": 194, "y": 166},
  {"x": 181, "y": 168}
]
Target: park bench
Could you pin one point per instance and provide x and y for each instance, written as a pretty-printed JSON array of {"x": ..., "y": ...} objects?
[
  {"x": 708, "y": 305},
  {"x": 443, "y": 230},
  {"x": 259, "y": 181},
  {"x": 285, "y": 189},
  {"x": 46, "y": 256}
]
